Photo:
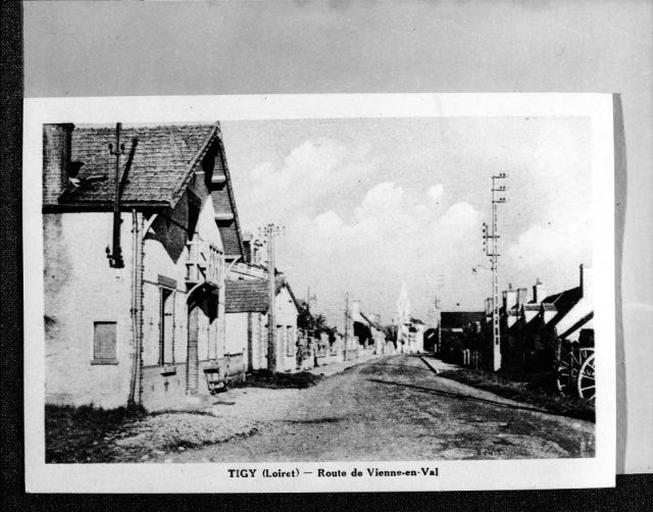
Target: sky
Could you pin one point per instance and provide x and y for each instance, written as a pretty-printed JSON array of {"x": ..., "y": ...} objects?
[{"x": 368, "y": 204}]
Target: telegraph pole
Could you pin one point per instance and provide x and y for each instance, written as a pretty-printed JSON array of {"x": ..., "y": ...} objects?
[
  {"x": 493, "y": 253},
  {"x": 346, "y": 322},
  {"x": 438, "y": 319},
  {"x": 271, "y": 231}
]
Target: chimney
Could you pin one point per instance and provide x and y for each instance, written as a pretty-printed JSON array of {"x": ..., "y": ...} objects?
[
  {"x": 355, "y": 310},
  {"x": 247, "y": 247},
  {"x": 580, "y": 279},
  {"x": 489, "y": 306},
  {"x": 255, "y": 249},
  {"x": 511, "y": 301},
  {"x": 510, "y": 297},
  {"x": 522, "y": 297},
  {"x": 57, "y": 140},
  {"x": 587, "y": 283},
  {"x": 539, "y": 294}
]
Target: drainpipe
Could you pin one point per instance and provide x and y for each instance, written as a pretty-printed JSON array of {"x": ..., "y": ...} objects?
[{"x": 136, "y": 382}]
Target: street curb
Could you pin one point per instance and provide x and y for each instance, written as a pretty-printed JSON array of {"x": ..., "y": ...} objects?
[{"x": 429, "y": 366}]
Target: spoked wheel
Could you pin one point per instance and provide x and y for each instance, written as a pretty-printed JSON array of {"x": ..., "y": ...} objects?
[
  {"x": 569, "y": 368},
  {"x": 566, "y": 376},
  {"x": 567, "y": 372},
  {"x": 587, "y": 380}
]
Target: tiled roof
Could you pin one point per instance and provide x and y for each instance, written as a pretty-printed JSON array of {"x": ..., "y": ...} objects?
[
  {"x": 251, "y": 295},
  {"x": 563, "y": 302},
  {"x": 230, "y": 239},
  {"x": 371, "y": 322},
  {"x": 163, "y": 158},
  {"x": 246, "y": 296}
]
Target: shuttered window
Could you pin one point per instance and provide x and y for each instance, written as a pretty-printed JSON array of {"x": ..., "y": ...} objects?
[{"x": 104, "y": 343}]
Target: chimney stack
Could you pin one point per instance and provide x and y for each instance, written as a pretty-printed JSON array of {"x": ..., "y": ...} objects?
[
  {"x": 247, "y": 247},
  {"x": 57, "y": 148},
  {"x": 511, "y": 297},
  {"x": 355, "y": 310},
  {"x": 580, "y": 279},
  {"x": 538, "y": 291},
  {"x": 489, "y": 306},
  {"x": 522, "y": 297}
]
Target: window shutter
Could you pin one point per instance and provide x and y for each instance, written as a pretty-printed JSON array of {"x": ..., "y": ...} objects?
[{"x": 104, "y": 342}]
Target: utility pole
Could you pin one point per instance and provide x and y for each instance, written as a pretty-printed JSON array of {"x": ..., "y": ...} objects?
[
  {"x": 271, "y": 231},
  {"x": 493, "y": 254},
  {"x": 438, "y": 319},
  {"x": 346, "y": 322}
]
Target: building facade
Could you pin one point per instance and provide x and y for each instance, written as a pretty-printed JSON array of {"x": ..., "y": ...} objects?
[
  {"x": 247, "y": 307},
  {"x": 140, "y": 326}
]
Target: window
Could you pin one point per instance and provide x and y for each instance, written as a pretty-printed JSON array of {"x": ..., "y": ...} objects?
[
  {"x": 104, "y": 343},
  {"x": 166, "y": 326}
]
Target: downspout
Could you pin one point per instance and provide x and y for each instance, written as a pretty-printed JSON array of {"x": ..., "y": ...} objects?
[{"x": 136, "y": 382}]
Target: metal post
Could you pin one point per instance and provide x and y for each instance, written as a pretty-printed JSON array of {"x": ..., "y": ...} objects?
[
  {"x": 346, "y": 322},
  {"x": 494, "y": 267},
  {"x": 272, "y": 326}
]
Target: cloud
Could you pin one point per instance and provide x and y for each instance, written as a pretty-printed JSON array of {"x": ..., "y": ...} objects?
[
  {"x": 435, "y": 192},
  {"x": 308, "y": 176},
  {"x": 393, "y": 234},
  {"x": 542, "y": 244},
  {"x": 552, "y": 251}
]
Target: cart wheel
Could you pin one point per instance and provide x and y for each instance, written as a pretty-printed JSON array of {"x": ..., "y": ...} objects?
[
  {"x": 567, "y": 372},
  {"x": 587, "y": 380},
  {"x": 566, "y": 376}
]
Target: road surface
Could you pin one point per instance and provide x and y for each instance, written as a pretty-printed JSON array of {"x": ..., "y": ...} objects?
[{"x": 390, "y": 408}]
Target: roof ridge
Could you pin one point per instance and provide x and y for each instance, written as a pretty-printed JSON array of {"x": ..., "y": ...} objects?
[{"x": 198, "y": 157}]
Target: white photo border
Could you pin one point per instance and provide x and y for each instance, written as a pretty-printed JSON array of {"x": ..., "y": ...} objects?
[{"x": 598, "y": 471}]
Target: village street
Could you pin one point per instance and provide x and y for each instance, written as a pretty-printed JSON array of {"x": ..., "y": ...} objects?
[{"x": 391, "y": 407}]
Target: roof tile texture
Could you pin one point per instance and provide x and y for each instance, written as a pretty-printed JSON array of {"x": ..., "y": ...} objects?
[{"x": 162, "y": 159}]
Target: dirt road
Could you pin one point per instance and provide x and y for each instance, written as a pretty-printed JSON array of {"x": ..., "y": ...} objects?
[{"x": 394, "y": 407}]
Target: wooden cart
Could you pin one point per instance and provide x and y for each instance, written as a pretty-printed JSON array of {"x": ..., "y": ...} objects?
[{"x": 575, "y": 372}]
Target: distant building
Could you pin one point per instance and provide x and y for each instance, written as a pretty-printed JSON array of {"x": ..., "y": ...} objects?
[
  {"x": 247, "y": 307},
  {"x": 459, "y": 331},
  {"x": 531, "y": 330},
  {"x": 410, "y": 331}
]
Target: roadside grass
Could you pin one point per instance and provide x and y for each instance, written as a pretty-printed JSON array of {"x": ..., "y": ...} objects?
[
  {"x": 92, "y": 435},
  {"x": 266, "y": 379},
  {"x": 535, "y": 389},
  {"x": 80, "y": 434}
]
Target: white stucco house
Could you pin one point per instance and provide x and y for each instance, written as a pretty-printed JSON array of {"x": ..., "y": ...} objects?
[
  {"x": 141, "y": 330},
  {"x": 247, "y": 307}
]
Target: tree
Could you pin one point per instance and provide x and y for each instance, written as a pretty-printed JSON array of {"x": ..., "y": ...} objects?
[{"x": 312, "y": 324}]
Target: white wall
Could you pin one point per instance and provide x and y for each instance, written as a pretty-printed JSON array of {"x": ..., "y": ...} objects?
[{"x": 80, "y": 288}]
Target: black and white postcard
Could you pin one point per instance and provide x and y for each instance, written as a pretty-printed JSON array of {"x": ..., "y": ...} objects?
[{"x": 319, "y": 293}]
